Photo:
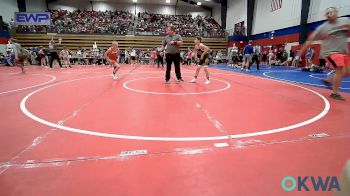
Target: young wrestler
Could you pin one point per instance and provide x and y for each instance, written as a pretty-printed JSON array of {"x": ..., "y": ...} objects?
[
  {"x": 41, "y": 55},
  {"x": 111, "y": 55},
  {"x": 201, "y": 54},
  {"x": 64, "y": 54},
  {"x": 21, "y": 55}
]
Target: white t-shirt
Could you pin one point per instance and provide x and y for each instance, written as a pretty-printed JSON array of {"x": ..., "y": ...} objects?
[
  {"x": 9, "y": 47},
  {"x": 133, "y": 53}
]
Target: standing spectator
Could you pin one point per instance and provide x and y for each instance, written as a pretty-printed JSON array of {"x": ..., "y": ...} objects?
[
  {"x": 291, "y": 54},
  {"x": 9, "y": 46},
  {"x": 10, "y": 53},
  {"x": 271, "y": 56},
  {"x": 160, "y": 55},
  {"x": 255, "y": 58},
  {"x": 264, "y": 57},
  {"x": 189, "y": 56},
  {"x": 122, "y": 56},
  {"x": 133, "y": 56},
  {"x": 240, "y": 56},
  {"x": 126, "y": 53},
  {"x": 88, "y": 57},
  {"x": 309, "y": 56},
  {"x": 279, "y": 55},
  {"x": 291, "y": 57},
  {"x": 95, "y": 54},
  {"x": 248, "y": 52}
]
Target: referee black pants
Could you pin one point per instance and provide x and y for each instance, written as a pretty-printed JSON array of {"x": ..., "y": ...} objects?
[
  {"x": 54, "y": 56},
  {"x": 170, "y": 58}
]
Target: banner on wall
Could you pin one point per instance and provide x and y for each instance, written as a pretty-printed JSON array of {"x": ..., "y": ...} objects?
[
  {"x": 27, "y": 18},
  {"x": 275, "y": 5}
]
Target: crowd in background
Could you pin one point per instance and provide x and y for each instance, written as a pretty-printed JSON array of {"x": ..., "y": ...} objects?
[
  {"x": 274, "y": 56},
  {"x": 77, "y": 21},
  {"x": 185, "y": 25},
  {"x": 123, "y": 23}
]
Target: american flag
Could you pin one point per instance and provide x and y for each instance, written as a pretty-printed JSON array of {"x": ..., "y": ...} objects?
[{"x": 275, "y": 5}]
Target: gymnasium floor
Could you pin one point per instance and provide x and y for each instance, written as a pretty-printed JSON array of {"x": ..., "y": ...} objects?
[{"x": 77, "y": 132}]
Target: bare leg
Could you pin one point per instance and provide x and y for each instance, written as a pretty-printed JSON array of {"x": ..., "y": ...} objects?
[
  {"x": 115, "y": 69},
  {"x": 20, "y": 64},
  {"x": 337, "y": 79},
  {"x": 340, "y": 72},
  {"x": 42, "y": 61},
  {"x": 197, "y": 71},
  {"x": 206, "y": 72},
  {"x": 196, "y": 75}
]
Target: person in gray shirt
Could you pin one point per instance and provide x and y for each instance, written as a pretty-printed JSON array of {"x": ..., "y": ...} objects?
[
  {"x": 172, "y": 43},
  {"x": 53, "y": 52},
  {"x": 334, "y": 47}
]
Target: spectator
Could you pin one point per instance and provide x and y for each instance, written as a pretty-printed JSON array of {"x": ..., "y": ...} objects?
[
  {"x": 160, "y": 55},
  {"x": 185, "y": 25},
  {"x": 127, "y": 60},
  {"x": 133, "y": 56},
  {"x": 309, "y": 56},
  {"x": 248, "y": 52},
  {"x": 279, "y": 55},
  {"x": 120, "y": 22},
  {"x": 117, "y": 22}
]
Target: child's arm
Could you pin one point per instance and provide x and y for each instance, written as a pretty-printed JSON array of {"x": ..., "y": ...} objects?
[
  {"x": 205, "y": 48},
  {"x": 106, "y": 55}
]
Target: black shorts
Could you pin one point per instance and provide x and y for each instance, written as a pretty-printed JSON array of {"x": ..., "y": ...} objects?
[
  {"x": 133, "y": 57},
  {"x": 204, "y": 61},
  {"x": 21, "y": 59}
]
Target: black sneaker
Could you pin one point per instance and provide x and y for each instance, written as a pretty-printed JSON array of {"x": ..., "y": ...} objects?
[
  {"x": 337, "y": 96},
  {"x": 180, "y": 80},
  {"x": 167, "y": 81}
]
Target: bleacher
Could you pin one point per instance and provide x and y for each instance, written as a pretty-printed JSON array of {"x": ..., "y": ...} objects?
[{"x": 75, "y": 41}]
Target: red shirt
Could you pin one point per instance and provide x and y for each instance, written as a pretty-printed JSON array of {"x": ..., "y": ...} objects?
[{"x": 113, "y": 54}]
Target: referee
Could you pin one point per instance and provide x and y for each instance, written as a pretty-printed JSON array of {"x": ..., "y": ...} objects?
[
  {"x": 172, "y": 43},
  {"x": 53, "y": 52}
]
